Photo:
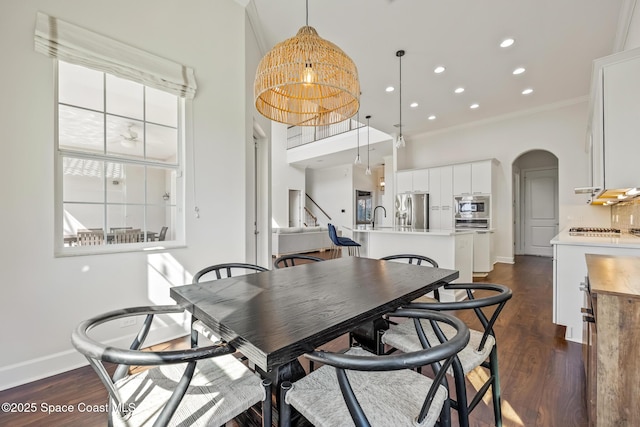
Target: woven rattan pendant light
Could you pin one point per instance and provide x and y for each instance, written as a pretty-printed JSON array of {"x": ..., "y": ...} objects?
[{"x": 307, "y": 81}]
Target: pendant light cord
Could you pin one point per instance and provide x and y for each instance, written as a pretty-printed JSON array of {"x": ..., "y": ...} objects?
[
  {"x": 400, "y": 89},
  {"x": 368, "y": 128},
  {"x": 307, "y": 9}
]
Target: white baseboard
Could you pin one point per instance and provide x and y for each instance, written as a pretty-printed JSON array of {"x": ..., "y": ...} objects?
[
  {"x": 57, "y": 363},
  {"x": 505, "y": 259}
]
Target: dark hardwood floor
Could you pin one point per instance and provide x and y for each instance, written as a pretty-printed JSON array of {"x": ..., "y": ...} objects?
[{"x": 541, "y": 374}]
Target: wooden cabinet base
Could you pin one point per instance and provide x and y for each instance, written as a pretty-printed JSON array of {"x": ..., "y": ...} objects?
[{"x": 613, "y": 353}]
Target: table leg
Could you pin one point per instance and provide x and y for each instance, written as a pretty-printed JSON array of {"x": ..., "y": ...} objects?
[{"x": 290, "y": 372}]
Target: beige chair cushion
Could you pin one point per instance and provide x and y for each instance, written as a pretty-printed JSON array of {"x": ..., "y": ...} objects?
[
  {"x": 404, "y": 337},
  {"x": 221, "y": 389},
  {"x": 389, "y": 398}
]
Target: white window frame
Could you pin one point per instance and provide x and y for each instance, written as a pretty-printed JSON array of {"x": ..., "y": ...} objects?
[{"x": 178, "y": 225}]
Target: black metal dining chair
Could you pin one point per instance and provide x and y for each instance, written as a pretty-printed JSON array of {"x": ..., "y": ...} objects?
[
  {"x": 216, "y": 272},
  {"x": 481, "y": 351},
  {"x": 221, "y": 271},
  {"x": 369, "y": 334},
  {"x": 417, "y": 260},
  {"x": 359, "y": 388},
  {"x": 291, "y": 260},
  {"x": 198, "y": 386}
]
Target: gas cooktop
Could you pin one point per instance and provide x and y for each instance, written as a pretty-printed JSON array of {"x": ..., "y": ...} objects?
[{"x": 594, "y": 231}]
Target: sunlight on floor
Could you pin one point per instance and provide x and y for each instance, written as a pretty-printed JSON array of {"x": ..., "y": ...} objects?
[{"x": 478, "y": 377}]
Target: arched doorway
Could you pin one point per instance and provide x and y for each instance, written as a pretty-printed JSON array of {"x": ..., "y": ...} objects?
[{"x": 535, "y": 202}]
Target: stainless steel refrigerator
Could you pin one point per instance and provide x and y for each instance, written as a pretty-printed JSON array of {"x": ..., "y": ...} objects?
[{"x": 412, "y": 210}]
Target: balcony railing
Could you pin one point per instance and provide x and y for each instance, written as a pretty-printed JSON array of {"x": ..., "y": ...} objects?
[{"x": 301, "y": 135}]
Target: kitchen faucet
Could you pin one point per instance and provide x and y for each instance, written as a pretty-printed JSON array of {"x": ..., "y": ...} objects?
[{"x": 373, "y": 218}]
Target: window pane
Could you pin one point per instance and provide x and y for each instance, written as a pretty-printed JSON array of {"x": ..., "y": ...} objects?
[
  {"x": 81, "y": 216},
  {"x": 160, "y": 181},
  {"x": 124, "y": 97},
  {"x": 80, "y": 130},
  {"x": 80, "y": 86},
  {"x": 123, "y": 217},
  {"x": 129, "y": 188},
  {"x": 162, "y": 143},
  {"x": 162, "y": 107},
  {"x": 158, "y": 217},
  {"x": 125, "y": 137},
  {"x": 82, "y": 180}
]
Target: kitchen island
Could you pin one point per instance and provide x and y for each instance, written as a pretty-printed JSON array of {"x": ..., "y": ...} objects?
[
  {"x": 570, "y": 271},
  {"x": 449, "y": 248}
]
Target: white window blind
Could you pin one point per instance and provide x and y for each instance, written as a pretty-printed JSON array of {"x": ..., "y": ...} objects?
[{"x": 70, "y": 43}]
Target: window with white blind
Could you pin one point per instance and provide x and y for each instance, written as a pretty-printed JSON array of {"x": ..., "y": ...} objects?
[
  {"x": 119, "y": 163},
  {"x": 120, "y": 115}
]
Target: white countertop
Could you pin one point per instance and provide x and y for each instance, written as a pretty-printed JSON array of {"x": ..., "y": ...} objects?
[
  {"x": 624, "y": 240},
  {"x": 406, "y": 230}
]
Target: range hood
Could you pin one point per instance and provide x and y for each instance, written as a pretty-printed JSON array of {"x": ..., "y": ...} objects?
[{"x": 608, "y": 196}]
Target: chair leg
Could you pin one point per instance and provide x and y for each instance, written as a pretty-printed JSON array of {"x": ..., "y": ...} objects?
[
  {"x": 266, "y": 404},
  {"x": 495, "y": 387},
  {"x": 285, "y": 409},
  {"x": 445, "y": 414},
  {"x": 461, "y": 395}
]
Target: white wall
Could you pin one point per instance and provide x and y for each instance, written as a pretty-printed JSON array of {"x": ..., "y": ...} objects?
[
  {"x": 45, "y": 297},
  {"x": 559, "y": 130},
  {"x": 257, "y": 124},
  {"x": 283, "y": 176},
  {"x": 333, "y": 189}
]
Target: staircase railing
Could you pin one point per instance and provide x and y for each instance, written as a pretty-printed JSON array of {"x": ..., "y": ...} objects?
[
  {"x": 309, "y": 218},
  {"x": 318, "y": 206}
]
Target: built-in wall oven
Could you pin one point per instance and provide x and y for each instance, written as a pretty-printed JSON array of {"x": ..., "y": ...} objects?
[{"x": 472, "y": 211}]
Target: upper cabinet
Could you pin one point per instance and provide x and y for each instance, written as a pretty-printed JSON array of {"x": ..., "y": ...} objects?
[
  {"x": 621, "y": 90},
  {"x": 473, "y": 178},
  {"x": 414, "y": 180},
  {"x": 614, "y": 126},
  {"x": 441, "y": 198},
  {"x": 404, "y": 181}
]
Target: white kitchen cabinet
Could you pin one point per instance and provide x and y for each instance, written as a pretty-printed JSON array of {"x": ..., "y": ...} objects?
[
  {"x": 412, "y": 180},
  {"x": 473, "y": 178},
  {"x": 404, "y": 181},
  {"x": 570, "y": 270},
  {"x": 441, "y": 198},
  {"x": 622, "y": 123},
  {"x": 614, "y": 125},
  {"x": 483, "y": 251},
  {"x": 462, "y": 179},
  {"x": 421, "y": 180}
]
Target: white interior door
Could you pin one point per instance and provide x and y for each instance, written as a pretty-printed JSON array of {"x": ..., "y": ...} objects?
[
  {"x": 541, "y": 210},
  {"x": 295, "y": 208}
]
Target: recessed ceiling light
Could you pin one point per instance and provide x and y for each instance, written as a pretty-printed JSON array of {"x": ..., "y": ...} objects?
[
  {"x": 527, "y": 91},
  {"x": 459, "y": 90},
  {"x": 390, "y": 89},
  {"x": 507, "y": 42},
  {"x": 474, "y": 106},
  {"x": 518, "y": 70},
  {"x": 431, "y": 117},
  {"x": 439, "y": 69},
  {"x": 413, "y": 105}
]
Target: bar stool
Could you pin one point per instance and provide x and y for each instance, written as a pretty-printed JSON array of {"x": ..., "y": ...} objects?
[{"x": 353, "y": 247}]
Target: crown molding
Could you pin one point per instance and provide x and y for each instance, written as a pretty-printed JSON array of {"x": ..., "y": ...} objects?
[{"x": 624, "y": 22}]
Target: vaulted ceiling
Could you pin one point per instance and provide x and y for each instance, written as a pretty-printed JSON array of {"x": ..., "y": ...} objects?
[{"x": 555, "y": 42}]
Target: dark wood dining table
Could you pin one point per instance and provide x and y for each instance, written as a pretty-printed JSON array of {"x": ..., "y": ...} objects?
[{"x": 275, "y": 316}]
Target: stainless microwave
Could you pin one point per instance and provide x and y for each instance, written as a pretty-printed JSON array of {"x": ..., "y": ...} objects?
[{"x": 473, "y": 207}]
